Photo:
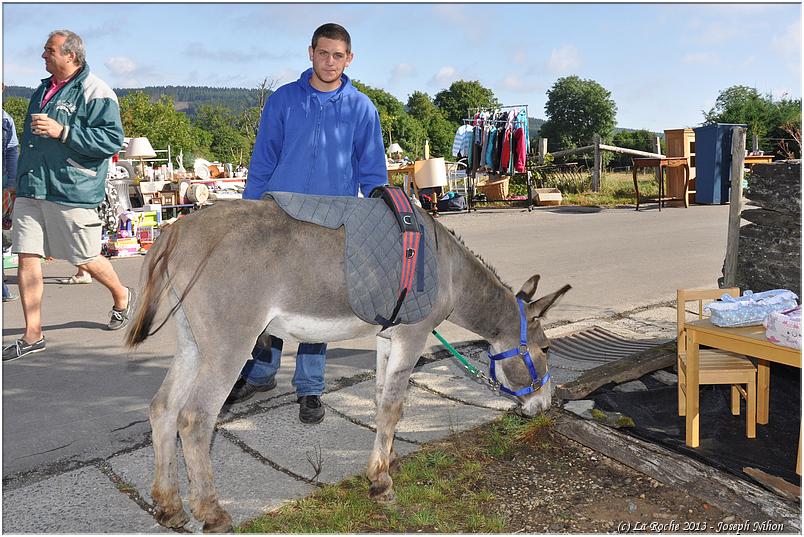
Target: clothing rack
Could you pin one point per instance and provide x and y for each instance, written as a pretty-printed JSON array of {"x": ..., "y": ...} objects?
[{"x": 479, "y": 160}]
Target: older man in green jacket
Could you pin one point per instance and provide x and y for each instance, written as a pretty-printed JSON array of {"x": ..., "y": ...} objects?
[{"x": 72, "y": 130}]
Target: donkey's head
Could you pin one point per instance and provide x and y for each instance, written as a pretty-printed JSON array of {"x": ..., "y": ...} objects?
[{"x": 522, "y": 354}]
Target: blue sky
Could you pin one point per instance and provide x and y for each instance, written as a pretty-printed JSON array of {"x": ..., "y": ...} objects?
[{"x": 663, "y": 63}]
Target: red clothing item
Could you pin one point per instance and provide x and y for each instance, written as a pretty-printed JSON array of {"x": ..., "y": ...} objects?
[
  {"x": 521, "y": 149},
  {"x": 54, "y": 88},
  {"x": 505, "y": 159}
]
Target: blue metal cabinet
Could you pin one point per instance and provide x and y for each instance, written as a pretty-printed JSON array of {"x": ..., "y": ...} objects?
[{"x": 713, "y": 162}]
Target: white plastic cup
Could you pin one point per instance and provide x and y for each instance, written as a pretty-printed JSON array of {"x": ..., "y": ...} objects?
[{"x": 36, "y": 116}]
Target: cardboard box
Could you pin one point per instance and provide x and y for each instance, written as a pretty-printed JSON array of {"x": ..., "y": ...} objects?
[{"x": 547, "y": 196}]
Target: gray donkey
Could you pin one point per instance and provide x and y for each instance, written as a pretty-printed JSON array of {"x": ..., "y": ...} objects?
[{"x": 242, "y": 268}]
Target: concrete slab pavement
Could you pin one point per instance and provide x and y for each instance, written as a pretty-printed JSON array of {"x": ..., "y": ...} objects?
[{"x": 75, "y": 416}]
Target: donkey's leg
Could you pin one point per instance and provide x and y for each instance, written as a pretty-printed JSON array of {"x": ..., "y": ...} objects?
[
  {"x": 406, "y": 347},
  {"x": 219, "y": 367},
  {"x": 163, "y": 412},
  {"x": 383, "y": 353}
]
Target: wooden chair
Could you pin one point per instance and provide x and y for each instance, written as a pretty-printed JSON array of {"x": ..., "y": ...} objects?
[{"x": 715, "y": 366}]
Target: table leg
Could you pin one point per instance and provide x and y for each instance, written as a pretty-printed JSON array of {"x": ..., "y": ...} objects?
[
  {"x": 693, "y": 410},
  {"x": 636, "y": 187},
  {"x": 763, "y": 391},
  {"x": 661, "y": 186},
  {"x": 686, "y": 186}
]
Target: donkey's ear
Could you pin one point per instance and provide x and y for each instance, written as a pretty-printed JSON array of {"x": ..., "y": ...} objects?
[
  {"x": 540, "y": 307},
  {"x": 528, "y": 289}
]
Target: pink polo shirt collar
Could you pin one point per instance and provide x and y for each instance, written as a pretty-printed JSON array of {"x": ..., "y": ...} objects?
[{"x": 54, "y": 88}]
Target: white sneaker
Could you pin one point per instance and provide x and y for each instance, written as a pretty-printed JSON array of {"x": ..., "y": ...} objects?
[{"x": 72, "y": 280}]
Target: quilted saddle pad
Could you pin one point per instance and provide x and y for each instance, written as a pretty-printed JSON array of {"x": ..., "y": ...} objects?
[{"x": 373, "y": 256}]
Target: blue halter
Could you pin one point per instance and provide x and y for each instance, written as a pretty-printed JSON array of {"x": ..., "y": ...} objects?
[{"x": 524, "y": 353}]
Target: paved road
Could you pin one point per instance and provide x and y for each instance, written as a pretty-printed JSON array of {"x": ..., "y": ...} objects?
[{"x": 86, "y": 397}]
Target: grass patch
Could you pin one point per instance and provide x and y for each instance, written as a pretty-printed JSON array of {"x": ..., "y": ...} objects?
[
  {"x": 616, "y": 189},
  {"x": 439, "y": 489}
]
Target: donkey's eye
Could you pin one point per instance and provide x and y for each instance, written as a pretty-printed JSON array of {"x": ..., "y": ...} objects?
[{"x": 545, "y": 349}]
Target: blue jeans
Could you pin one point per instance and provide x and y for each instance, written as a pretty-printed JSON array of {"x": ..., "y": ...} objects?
[{"x": 309, "y": 376}]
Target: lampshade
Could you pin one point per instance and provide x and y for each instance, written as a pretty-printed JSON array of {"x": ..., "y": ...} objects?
[
  {"x": 395, "y": 148},
  {"x": 139, "y": 148},
  {"x": 430, "y": 173}
]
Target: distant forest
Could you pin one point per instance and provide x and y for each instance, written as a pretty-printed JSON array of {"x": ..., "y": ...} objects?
[{"x": 186, "y": 99}]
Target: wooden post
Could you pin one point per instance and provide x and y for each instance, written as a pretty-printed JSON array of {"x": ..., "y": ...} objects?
[
  {"x": 597, "y": 166},
  {"x": 735, "y": 205},
  {"x": 542, "y": 149},
  {"x": 755, "y": 144}
]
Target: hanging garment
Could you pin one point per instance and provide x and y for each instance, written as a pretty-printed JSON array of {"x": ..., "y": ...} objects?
[
  {"x": 498, "y": 147},
  {"x": 505, "y": 159},
  {"x": 520, "y": 149},
  {"x": 459, "y": 145},
  {"x": 489, "y": 156}
]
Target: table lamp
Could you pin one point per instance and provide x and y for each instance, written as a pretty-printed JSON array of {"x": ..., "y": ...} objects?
[
  {"x": 395, "y": 149},
  {"x": 430, "y": 173},
  {"x": 140, "y": 148}
]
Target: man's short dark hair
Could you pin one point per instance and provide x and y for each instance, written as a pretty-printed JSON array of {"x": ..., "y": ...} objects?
[{"x": 331, "y": 30}]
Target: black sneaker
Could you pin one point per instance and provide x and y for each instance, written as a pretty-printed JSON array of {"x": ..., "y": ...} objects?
[
  {"x": 120, "y": 318},
  {"x": 20, "y": 348},
  {"x": 243, "y": 391},
  {"x": 310, "y": 409}
]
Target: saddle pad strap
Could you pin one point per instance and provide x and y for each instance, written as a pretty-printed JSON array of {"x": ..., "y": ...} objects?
[{"x": 410, "y": 234}]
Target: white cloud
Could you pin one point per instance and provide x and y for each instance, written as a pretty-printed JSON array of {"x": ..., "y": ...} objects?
[
  {"x": 518, "y": 84},
  {"x": 127, "y": 73},
  {"x": 121, "y": 66},
  {"x": 401, "y": 71},
  {"x": 699, "y": 57},
  {"x": 444, "y": 77},
  {"x": 520, "y": 57},
  {"x": 788, "y": 43},
  {"x": 564, "y": 59}
]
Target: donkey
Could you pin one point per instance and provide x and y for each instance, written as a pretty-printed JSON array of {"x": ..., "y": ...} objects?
[{"x": 240, "y": 269}]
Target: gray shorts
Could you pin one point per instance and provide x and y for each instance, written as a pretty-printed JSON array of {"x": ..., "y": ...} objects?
[{"x": 50, "y": 229}]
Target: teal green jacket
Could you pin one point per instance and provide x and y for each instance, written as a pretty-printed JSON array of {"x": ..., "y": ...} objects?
[{"x": 71, "y": 170}]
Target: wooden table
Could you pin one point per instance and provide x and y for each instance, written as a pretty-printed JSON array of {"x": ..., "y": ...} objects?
[
  {"x": 663, "y": 163},
  {"x": 750, "y": 341},
  {"x": 750, "y": 160},
  {"x": 404, "y": 170}
]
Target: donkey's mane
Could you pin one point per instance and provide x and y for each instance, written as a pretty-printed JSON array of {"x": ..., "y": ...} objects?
[{"x": 482, "y": 261}]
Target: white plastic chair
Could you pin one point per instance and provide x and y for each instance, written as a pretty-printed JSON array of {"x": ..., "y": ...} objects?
[{"x": 457, "y": 179}]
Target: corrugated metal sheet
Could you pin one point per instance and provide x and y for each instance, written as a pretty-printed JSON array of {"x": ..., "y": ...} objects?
[{"x": 593, "y": 347}]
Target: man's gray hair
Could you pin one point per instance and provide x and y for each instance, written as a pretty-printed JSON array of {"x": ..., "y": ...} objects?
[{"x": 72, "y": 43}]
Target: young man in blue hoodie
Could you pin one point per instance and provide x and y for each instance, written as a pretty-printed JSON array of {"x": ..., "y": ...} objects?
[{"x": 317, "y": 135}]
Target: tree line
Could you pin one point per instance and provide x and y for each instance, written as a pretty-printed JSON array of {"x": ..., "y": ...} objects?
[{"x": 221, "y": 123}]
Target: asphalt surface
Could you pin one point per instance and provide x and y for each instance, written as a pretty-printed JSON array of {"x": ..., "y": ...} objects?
[{"x": 75, "y": 420}]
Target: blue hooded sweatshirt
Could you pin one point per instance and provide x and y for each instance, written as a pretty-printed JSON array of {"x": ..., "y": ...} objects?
[{"x": 304, "y": 145}]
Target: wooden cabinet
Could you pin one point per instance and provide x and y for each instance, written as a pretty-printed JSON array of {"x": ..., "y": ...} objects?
[{"x": 680, "y": 143}]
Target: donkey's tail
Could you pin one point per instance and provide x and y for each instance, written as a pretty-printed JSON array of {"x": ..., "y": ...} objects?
[{"x": 156, "y": 287}]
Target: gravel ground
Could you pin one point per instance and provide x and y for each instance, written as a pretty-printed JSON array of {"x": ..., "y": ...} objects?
[{"x": 551, "y": 484}]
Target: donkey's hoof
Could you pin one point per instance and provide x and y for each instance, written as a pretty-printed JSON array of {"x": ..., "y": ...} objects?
[
  {"x": 382, "y": 496},
  {"x": 222, "y": 524},
  {"x": 219, "y": 527},
  {"x": 171, "y": 520}
]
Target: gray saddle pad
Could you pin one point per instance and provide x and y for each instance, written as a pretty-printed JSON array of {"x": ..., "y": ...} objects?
[{"x": 373, "y": 254}]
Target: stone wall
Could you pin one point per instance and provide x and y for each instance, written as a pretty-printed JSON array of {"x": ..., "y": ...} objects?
[{"x": 769, "y": 255}]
